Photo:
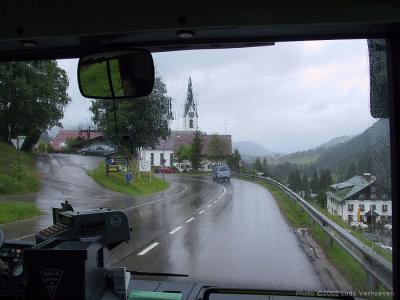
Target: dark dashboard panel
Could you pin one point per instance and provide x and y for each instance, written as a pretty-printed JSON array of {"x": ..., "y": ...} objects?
[
  {"x": 61, "y": 29},
  {"x": 13, "y": 279},
  {"x": 198, "y": 291}
]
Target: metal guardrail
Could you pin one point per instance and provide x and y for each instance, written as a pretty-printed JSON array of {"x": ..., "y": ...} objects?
[{"x": 376, "y": 266}]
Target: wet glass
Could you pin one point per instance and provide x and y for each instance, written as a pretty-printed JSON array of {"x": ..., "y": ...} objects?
[{"x": 303, "y": 129}]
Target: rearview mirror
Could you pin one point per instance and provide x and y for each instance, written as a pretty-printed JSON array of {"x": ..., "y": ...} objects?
[{"x": 116, "y": 75}]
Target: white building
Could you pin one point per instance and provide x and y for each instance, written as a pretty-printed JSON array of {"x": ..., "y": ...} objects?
[{"x": 359, "y": 198}]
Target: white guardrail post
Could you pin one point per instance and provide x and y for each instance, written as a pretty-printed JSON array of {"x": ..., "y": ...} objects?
[{"x": 377, "y": 267}]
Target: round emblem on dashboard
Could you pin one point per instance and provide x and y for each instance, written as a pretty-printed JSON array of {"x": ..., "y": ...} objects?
[{"x": 115, "y": 220}]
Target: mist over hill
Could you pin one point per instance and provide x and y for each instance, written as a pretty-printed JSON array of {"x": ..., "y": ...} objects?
[{"x": 252, "y": 148}]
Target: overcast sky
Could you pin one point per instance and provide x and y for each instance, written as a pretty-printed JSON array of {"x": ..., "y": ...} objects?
[{"x": 288, "y": 97}]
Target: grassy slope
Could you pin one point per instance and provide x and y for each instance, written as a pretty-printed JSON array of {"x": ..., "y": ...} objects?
[
  {"x": 115, "y": 181},
  {"x": 14, "y": 211},
  {"x": 304, "y": 159},
  {"x": 17, "y": 171},
  {"x": 17, "y": 175},
  {"x": 297, "y": 217}
]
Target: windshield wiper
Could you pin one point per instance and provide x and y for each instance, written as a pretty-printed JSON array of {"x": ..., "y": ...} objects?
[{"x": 157, "y": 274}]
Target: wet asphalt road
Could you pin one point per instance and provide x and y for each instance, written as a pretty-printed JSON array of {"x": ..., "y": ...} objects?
[
  {"x": 241, "y": 238},
  {"x": 217, "y": 233}
]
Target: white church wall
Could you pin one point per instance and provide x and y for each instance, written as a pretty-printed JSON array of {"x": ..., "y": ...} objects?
[{"x": 149, "y": 158}]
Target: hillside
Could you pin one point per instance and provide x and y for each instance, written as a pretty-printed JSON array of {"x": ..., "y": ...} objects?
[
  {"x": 369, "y": 151},
  {"x": 17, "y": 171},
  {"x": 251, "y": 148},
  {"x": 312, "y": 155},
  {"x": 336, "y": 141}
]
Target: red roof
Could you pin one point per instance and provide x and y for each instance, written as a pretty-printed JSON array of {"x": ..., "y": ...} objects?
[
  {"x": 178, "y": 138},
  {"x": 62, "y": 136}
]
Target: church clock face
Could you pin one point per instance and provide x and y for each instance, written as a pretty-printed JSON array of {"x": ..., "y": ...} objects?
[{"x": 191, "y": 114}]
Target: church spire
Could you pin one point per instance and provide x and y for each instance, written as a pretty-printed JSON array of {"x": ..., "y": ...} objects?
[
  {"x": 190, "y": 104},
  {"x": 190, "y": 114}
]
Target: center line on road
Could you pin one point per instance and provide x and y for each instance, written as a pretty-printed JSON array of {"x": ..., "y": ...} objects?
[
  {"x": 190, "y": 220},
  {"x": 223, "y": 193},
  {"x": 209, "y": 205},
  {"x": 144, "y": 251},
  {"x": 175, "y": 230},
  {"x": 200, "y": 212}
]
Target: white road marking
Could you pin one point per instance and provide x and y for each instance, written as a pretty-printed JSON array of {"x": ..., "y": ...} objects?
[
  {"x": 175, "y": 230},
  {"x": 200, "y": 212},
  {"x": 223, "y": 193},
  {"x": 189, "y": 220},
  {"x": 144, "y": 251},
  {"x": 209, "y": 205}
]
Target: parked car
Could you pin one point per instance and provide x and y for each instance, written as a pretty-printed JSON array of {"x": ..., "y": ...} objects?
[
  {"x": 359, "y": 225},
  {"x": 221, "y": 173},
  {"x": 100, "y": 150},
  {"x": 167, "y": 170},
  {"x": 387, "y": 248},
  {"x": 388, "y": 226}
]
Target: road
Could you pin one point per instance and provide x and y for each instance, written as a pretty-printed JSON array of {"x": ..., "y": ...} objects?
[
  {"x": 218, "y": 234},
  {"x": 237, "y": 236}
]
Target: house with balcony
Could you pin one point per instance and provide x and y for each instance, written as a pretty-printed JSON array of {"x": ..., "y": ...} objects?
[{"x": 359, "y": 198}]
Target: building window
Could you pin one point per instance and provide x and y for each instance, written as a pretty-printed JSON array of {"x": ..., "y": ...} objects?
[
  {"x": 350, "y": 218},
  {"x": 361, "y": 196},
  {"x": 373, "y": 207},
  {"x": 384, "y": 196},
  {"x": 373, "y": 189},
  {"x": 171, "y": 158},
  {"x": 373, "y": 196},
  {"x": 161, "y": 158},
  {"x": 152, "y": 159},
  {"x": 350, "y": 207},
  {"x": 384, "y": 208},
  {"x": 191, "y": 123},
  {"x": 362, "y": 208}
]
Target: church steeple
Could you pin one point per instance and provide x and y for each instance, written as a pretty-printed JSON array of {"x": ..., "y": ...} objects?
[{"x": 190, "y": 114}]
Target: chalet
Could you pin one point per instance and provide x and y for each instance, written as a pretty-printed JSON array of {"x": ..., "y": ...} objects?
[
  {"x": 166, "y": 150},
  {"x": 59, "y": 141},
  {"x": 359, "y": 198}
]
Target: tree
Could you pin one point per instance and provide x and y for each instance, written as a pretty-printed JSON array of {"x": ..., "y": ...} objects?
[
  {"x": 184, "y": 153},
  {"x": 265, "y": 165},
  {"x": 144, "y": 120},
  {"x": 257, "y": 165},
  {"x": 294, "y": 181},
  {"x": 325, "y": 179},
  {"x": 217, "y": 148},
  {"x": 352, "y": 171},
  {"x": 33, "y": 95},
  {"x": 314, "y": 183},
  {"x": 70, "y": 142},
  {"x": 196, "y": 148},
  {"x": 305, "y": 186},
  {"x": 234, "y": 160}
]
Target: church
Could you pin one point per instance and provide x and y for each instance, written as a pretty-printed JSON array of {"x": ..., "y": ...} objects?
[{"x": 164, "y": 153}]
